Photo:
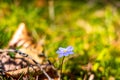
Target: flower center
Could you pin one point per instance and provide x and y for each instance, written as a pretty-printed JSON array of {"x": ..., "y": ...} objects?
[{"x": 65, "y": 50}]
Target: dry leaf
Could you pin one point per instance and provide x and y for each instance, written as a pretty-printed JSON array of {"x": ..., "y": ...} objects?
[
  {"x": 22, "y": 39},
  {"x": 15, "y": 67}
]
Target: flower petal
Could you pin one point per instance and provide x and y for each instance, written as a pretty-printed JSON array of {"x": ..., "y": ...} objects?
[
  {"x": 66, "y": 54},
  {"x": 70, "y": 52},
  {"x": 61, "y": 55},
  {"x": 61, "y": 48},
  {"x": 58, "y": 51},
  {"x": 69, "y": 48}
]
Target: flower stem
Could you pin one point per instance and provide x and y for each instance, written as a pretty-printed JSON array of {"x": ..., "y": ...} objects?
[{"x": 62, "y": 66}]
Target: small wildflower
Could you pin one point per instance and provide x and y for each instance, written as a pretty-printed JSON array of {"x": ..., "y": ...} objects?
[{"x": 65, "y": 51}]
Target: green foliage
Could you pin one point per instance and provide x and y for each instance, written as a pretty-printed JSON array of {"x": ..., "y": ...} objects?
[{"x": 92, "y": 28}]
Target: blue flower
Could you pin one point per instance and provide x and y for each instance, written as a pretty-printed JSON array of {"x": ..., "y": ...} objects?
[{"x": 65, "y": 51}]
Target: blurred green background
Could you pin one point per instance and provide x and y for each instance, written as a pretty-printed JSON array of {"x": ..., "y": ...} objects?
[{"x": 92, "y": 27}]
